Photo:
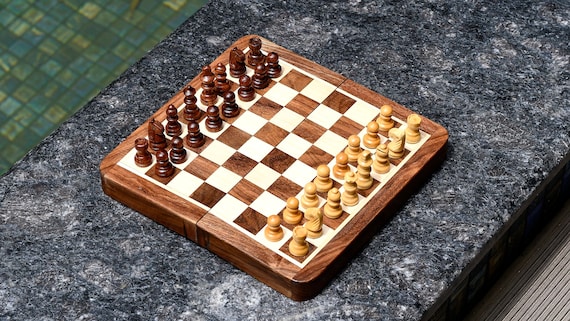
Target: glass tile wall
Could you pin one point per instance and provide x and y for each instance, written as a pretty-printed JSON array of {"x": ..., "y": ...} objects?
[{"x": 56, "y": 55}]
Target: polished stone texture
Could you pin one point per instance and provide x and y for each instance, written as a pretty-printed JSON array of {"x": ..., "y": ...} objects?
[{"x": 494, "y": 73}]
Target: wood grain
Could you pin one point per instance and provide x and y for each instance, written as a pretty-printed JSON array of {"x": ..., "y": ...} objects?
[{"x": 218, "y": 236}]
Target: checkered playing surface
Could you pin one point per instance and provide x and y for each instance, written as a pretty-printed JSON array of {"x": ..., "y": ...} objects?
[{"x": 246, "y": 171}]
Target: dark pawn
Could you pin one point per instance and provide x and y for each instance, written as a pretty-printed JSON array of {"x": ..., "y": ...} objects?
[
  {"x": 273, "y": 67},
  {"x": 163, "y": 166},
  {"x": 194, "y": 138},
  {"x": 173, "y": 127},
  {"x": 221, "y": 81},
  {"x": 254, "y": 55},
  {"x": 246, "y": 91},
  {"x": 191, "y": 110},
  {"x": 260, "y": 77},
  {"x": 208, "y": 95},
  {"x": 229, "y": 107},
  {"x": 143, "y": 158},
  {"x": 178, "y": 154},
  {"x": 213, "y": 121},
  {"x": 237, "y": 63}
]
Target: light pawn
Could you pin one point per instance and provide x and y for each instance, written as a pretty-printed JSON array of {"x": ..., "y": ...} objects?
[
  {"x": 381, "y": 164},
  {"x": 332, "y": 208},
  {"x": 363, "y": 179}
]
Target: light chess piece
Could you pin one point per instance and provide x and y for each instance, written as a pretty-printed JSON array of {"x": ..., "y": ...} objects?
[
  {"x": 323, "y": 182},
  {"x": 298, "y": 245},
  {"x": 291, "y": 213},
  {"x": 332, "y": 208},
  {"x": 314, "y": 224},
  {"x": 273, "y": 231},
  {"x": 413, "y": 129}
]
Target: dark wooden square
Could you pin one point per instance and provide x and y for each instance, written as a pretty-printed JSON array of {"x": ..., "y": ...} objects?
[
  {"x": 201, "y": 167},
  {"x": 246, "y": 191},
  {"x": 234, "y": 137},
  {"x": 207, "y": 195},
  {"x": 339, "y": 102},
  {"x": 346, "y": 127},
  {"x": 284, "y": 188},
  {"x": 309, "y": 130},
  {"x": 315, "y": 156},
  {"x": 278, "y": 160},
  {"x": 302, "y": 105},
  {"x": 296, "y": 80},
  {"x": 240, "y": 164},
  {"x": 251, "y": 220},
  {"x": 265, "y": 108},
  {"x": 271, "y": 134}
]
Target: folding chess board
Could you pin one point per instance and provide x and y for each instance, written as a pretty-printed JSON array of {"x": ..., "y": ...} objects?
[{"x": 221, "y": 196}]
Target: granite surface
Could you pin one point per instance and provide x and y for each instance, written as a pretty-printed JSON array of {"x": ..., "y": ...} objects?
[{"x": 494, "y": 73}]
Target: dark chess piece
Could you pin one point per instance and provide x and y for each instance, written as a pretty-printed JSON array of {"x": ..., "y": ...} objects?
[
  {"x": 237, "y": 63},
  {"x": 143, "y": 157},
  {"x": 254, "y": 55},
  {"x": 213, "y": 121},
  {"x": 156, "y": 138},
  {"x": 194, "y": 138},
  {"x": 260, "y": 77},
  {"x": 273, "y": 66},
  {"x": 173, "y": 127},
  {"x": 229, "y": 107},
  {"x": 208, "y": 95},
  {"x": 178, "y": 154},
  {"x": 246, "y": 92},
  {"x": 191, "y": 110},
  {"x": 163, "y": 167},
  {"x": 221, "y": 82}
]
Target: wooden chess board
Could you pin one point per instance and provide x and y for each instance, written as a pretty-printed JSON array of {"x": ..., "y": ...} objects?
[{"x": 221, "y": 196}]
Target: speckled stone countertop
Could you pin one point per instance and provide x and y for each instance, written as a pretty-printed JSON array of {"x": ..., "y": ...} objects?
[{"x": 494, "y": 73}]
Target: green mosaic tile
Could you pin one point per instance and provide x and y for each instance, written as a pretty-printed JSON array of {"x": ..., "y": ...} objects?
[
  {"x": 175, "y": 5},
  {"x": 19, "y": 27},
  {"x": 110, "y": 61},
  {"x": 81, "y": 64},
  {"x": 123, "y": 50},
  {"x": 105, "y": 18},
  {"x": 90, "y": 10},
  {"x": 94, "y": 53},
  {"x": 11, "y": 129},
  {"x": 120, "y": 27},
  {"x": 33, "y": 15},
  {"x": 75, "y": 21},
  {"x": 25, "y": 117},
  {"x": 37, "y": 104},
  {"x": 136, "y": 37},
  {"x": 66, "y": 77},
  {"x": 17, "y": 7},
  {"x": 52, "y": 90},
  {"x": 46, "y": 5},
  {"x": 60, "y": 12},
  {"x": 24, "y": 93},
  {"x": 63, "y": 34},
  {"x": 55, "y": 55},
  {"x": 35, "y": 35},
  {"x": 9, "y": 106},
  {"x": 55, "y": 114},
  {"x": 12, "y": 153},
  {"x": 70, "y": 101},
  {"x": 51, "y": 67},
  {"x": 8, "y": 61},
  {"x": 79, "y": 42},
  {"x": 107, "y": 40},
  {"x": 49, "y": 46},
  {"x": 120, "y": 8},
  {"x": 47, "y": 24},
  {"x": 6, "y": 17},
  {"x": 22, "y": 71},
  {"x": 20, "y": 48}
]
